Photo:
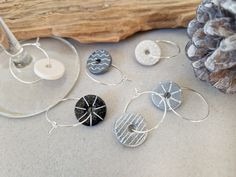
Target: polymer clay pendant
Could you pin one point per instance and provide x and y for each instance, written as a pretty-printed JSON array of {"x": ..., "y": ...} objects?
[
  {"x": 44, "y": 68},
  {"x": 89, "y": 110},
  {"x": 99, "y": 62},
  {"x": 93, "y": 106},
  {"x": 124, "y": 126},
  {"x": 49, "y": 69},
  {"x": 148, "y": 52},
  {"x": 131, "y": 128},
  {"x": 170, "y": 91},
  {"x": 173, "y": 98}
]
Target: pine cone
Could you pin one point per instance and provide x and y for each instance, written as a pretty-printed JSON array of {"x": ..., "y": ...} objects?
[{"x": 212, "y": 48}]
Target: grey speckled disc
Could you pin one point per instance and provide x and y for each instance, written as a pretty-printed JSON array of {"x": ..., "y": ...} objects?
[
  {"x": 123, "y": 129},
  {"x": 99, "y": 62},
  {"x": 170, "y": 90}
]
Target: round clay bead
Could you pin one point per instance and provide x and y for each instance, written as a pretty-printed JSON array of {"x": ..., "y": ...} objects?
[
  {"x": 124, "y": 126},
  {"x": 169, "y": 90},
  {"x": 52, "y": 70},
  {"x": 99, "y": 62},
  {"x": 90, "y": 106},
  {"x": 147, "y": 52}
]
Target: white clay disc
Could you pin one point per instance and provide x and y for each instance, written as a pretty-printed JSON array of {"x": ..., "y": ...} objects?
[
  {"x": 148, "y": 52},
  {"x": 45, "y": 71}
]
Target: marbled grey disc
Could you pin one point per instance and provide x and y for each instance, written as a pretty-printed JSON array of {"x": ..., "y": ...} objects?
[
  {"x": 99, "y": 62},
  {"x": 123, "y": 129},
  {"x": 170, "y": 90},
  {"x": 92, "y": 108}
]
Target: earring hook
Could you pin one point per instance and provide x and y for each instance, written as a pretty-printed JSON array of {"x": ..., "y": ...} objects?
[
  {"x": 138, "y": 94},
  {"x": 124, "y": 78},
  {"x": 11, "y": 64},
  {"x": 55, "y": 125},
  {"x": 171, "y": 43},
  {"x": 189, "y": 119}
]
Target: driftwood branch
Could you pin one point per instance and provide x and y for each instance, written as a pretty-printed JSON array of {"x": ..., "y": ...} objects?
[{"x": 94, "y": 20}]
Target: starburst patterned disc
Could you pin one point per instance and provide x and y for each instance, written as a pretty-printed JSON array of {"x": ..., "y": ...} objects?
[
  {"x": 90, "y": 107},
  {"x": 169, "y": 90}
]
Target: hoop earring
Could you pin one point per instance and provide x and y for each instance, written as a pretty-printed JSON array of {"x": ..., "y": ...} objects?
[
  {"x": 149, "y": 53},
  {"x": 99, "y": 62},
  {"x": 45, "y": 69},
  {"x": 172, "y": 93},
  {"x": 89, "y": 110},
  {"x": 131, "y": 129}
]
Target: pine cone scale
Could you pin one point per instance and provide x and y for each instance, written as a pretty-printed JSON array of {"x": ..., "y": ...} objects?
[{"x": 212, "y": 49}]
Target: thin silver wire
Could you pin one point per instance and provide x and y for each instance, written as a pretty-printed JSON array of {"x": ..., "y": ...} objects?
[
  {"x": 74, "y": 51},
  {"x": 138, "y": 94},
  {"x": 37, "y": 45},
  {"x": 171, "y": 43},
  {"x": 167, "y": 42},
  {"x": 55, "y": 124},
  {"x": 124, "y": 78},
  {"x": 186, "y": 118}
]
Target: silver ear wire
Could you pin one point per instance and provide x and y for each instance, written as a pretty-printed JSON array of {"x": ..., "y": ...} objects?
[
  {"x": 148, "y": 52},
  {"x": 186, "y": 118},
  {"x": 56, "y": 125},
  {"x": 171, "y": 43},
  {"x": 172, "y": 93},
  {"x": 11, "y": 63},
  {"x": 124, "y": 78},
  {"x": 138, "y": 94}
]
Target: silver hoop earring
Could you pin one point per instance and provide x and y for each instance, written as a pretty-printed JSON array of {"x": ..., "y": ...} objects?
[
  {"x": 149, "y": 53},
  {"x": 89, "y": 110},
  {"x": 99, "y": 62},
  {"x": 172, "y": 93},
  {"x": 45, "y": 69},
  {"x": 131, "y": 129}
]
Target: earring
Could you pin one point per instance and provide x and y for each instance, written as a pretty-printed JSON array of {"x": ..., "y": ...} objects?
[
  {"x": 131, "y": 128},
  {"x": 172, "y": 93},
  {"x": 149, "y": 53},
  {"x": 99, "y": 62},
  {"x": 45, "y": 69},
  {"x": 89, "y": 110}
]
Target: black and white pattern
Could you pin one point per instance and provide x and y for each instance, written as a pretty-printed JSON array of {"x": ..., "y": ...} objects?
[
  {"x": 99, "y": 62},
  {"x": 123, "y": 129},
  {"x": 91, "y": 107},
  {"x": 169, "y": 90}
]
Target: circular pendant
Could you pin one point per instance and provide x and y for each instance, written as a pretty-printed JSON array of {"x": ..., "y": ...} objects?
[
  {"x": 90, "y": 107},
  {"x": 49, "y": 70},
  {"x": 148, "y": 52},
  {"x": 168, "y": 90},
  {"x": 124, "y": 127},
  {"x": 99, "y": 62}
]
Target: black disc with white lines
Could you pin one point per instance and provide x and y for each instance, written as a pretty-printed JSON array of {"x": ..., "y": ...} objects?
[{"x": 92, "y": 108}]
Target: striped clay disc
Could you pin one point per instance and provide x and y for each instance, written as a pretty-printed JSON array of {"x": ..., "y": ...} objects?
[{"x": 123, "y": 129}]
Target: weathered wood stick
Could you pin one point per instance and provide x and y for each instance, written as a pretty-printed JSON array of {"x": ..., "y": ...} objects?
[{"x": 94, "y": 20}]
